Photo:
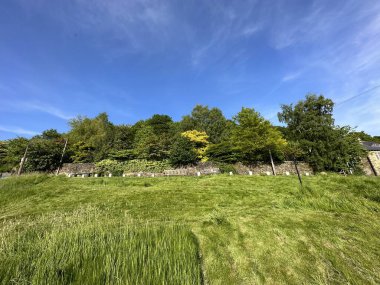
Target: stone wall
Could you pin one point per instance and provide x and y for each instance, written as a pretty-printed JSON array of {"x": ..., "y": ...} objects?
[
  {"x": 284, "y": 168},
  {"x": 5, "y": 174},
  {"x": 205, "y": 170},
  {"x": 77, "y": 168}
]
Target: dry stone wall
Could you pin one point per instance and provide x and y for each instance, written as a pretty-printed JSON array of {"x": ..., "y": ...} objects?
[
  {"x": 78, "y": 168},
  {"x": 285, "y": 168}
]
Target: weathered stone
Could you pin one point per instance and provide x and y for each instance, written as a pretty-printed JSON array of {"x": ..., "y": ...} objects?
[
  {"x": 374, "y": 160},
  {"x": 78, "y": 168},
  {"x": 5, "y": 174},
  {"x": 281, "y": 168}
]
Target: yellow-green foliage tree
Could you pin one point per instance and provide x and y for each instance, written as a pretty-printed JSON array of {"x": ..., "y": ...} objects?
[{"x": 199, "y": 141}]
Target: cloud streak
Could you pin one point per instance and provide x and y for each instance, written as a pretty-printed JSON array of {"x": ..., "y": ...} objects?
[
  {"x": 287, "y": 47},
  {"x": 18, "y": 131},
  {"x": 23, "y": 105},
  {"x": 44, "y": 108}
]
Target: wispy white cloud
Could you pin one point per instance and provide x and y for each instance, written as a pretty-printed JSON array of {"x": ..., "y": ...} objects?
[
  {"x": 362, "y": 112},
  {"x": 119, "y": 26},
  {"x": 18, "y": 131},
  {"x": 339, "y": 47},
  {"x": 24, "y": 106},
  {"x": 250, "y": 30},
  {"x": 291, "y": 76},
  {"x": 333, "y": 44},
  {"x": 48, "y": 109},
  {"x": 228, "y": 24}
]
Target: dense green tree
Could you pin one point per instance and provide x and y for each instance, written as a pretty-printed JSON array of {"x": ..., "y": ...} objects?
[
  {"x": 12, "y": 152},
  {"x": 253, "y": 137},
  {"x": 45, "y": 152},
  {"x": 366, "y": 137},
  {"x": 327, "y": 147},
  {"x": 224, "y": 152},
  {"x": 208, "y": 120},
  {"x": 150, "y": 146},
  {"x": 161, "y": 124},
  {"x": 122, "y": 146},
  {"x": 123, "y": 137},
  {"x": 183, "y": 153},
  {"x": 51, "y": 134},
  {"x": 82, "y": 152},
  {"x": 97, "y": 133},
  {"x": 154, "y": 137},
  {"x": 3, "y": 155}
]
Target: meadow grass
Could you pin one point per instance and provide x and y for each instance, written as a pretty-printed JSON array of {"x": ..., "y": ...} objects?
[
  {"x": 78, "y": 249},
  {"x": 248, "y": 230}
]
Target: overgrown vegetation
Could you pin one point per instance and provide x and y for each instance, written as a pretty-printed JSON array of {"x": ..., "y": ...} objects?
[
  {"x": 134, "y": 165},
  {"x": 325, "y": 146},
  {"x": 248, "y": 230},
  {"x": 77, "y": 249},
  {"x": 205, "y": 135}
]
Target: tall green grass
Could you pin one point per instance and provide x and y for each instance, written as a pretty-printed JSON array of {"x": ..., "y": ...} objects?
[
  {"x": 81, "y": 249},
  {"x": 250, "y": 229}
]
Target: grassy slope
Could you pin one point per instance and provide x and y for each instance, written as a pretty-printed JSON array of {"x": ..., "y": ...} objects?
[{"x": 251, "y": 230}]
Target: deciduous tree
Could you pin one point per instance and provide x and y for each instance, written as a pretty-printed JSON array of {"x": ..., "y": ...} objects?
[
  {"x": 327, "y": 147},
  {"x": 253, "y": 137}
]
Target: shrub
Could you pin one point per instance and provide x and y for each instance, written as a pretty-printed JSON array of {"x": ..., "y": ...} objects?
[
  {"x": 183, "y": 153},
  {"x": 135, "y": 165},
  {"x": 226, "y": 168},
  {"x": 110, "y": 166}
]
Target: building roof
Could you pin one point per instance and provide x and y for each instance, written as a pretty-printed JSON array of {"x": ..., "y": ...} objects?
[{"x": 371, "y": 146}]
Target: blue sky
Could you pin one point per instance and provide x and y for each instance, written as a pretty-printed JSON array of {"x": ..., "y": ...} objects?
[{"x": 132, "y": 59}]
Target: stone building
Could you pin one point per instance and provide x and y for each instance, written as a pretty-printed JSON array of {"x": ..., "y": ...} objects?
[{"x": 371, "y": 165}]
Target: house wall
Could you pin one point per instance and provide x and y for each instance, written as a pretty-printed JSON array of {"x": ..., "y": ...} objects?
[{"x": 374, "y": 157}]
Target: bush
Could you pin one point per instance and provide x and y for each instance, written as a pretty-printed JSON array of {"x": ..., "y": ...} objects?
[
  {"x": 223, "y": 153},
  {"x": 135, "y": 165},
  {"x": 226, "y": 168},
  {"x": 183, "y": 153},
  {"x": 110, "y": 166},
  {"x": 143, "y": 165}
]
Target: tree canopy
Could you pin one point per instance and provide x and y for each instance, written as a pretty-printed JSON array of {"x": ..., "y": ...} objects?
[
  {"x": 326, "y": 146},
  {"x": 309, "y": 133}
]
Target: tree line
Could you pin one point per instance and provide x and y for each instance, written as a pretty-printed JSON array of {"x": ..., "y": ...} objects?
[{"x": 309, "y": 134}]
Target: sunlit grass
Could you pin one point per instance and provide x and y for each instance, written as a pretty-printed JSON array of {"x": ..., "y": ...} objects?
[
  {"x": 248, "y": 230},
  {"x": 81, "y": 249}
]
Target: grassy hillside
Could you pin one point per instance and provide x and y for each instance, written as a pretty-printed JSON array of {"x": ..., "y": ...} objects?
[{"x": 247, "y": 230}]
